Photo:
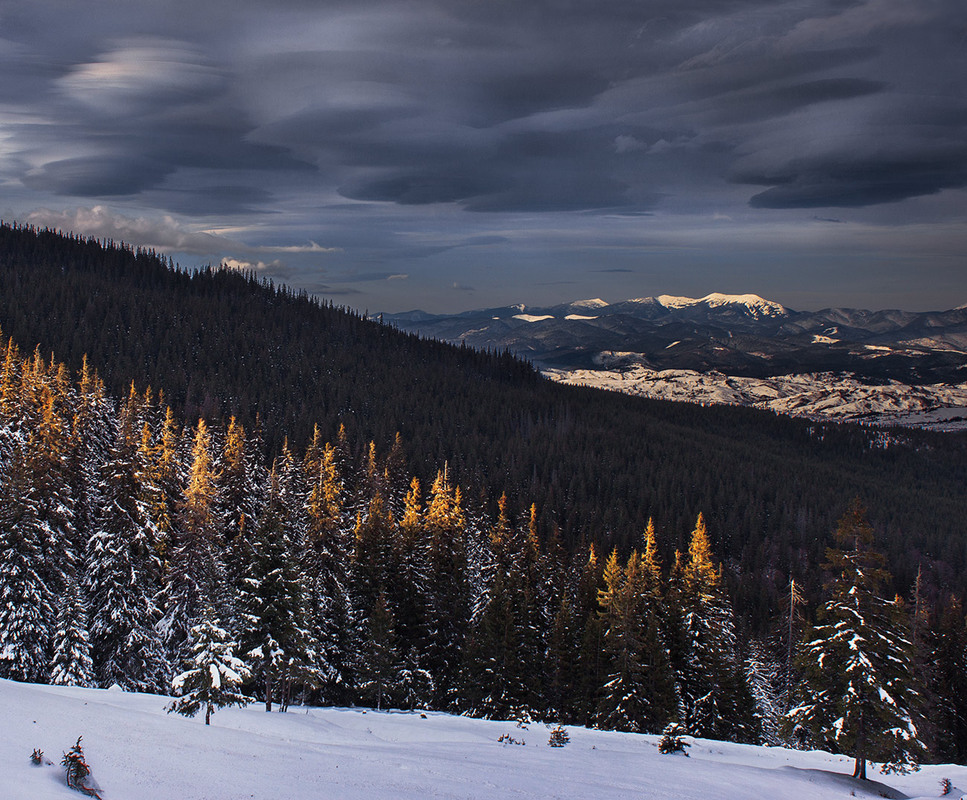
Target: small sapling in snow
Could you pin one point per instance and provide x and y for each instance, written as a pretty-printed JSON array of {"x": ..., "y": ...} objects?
[
  {"x": 78, "y": 771},
  {"x": 559, "y": 737},
  {"x": 671, "y": 739}
]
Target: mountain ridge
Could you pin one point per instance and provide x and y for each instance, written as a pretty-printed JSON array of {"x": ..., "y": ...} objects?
[{"x": 744, "y": 335}]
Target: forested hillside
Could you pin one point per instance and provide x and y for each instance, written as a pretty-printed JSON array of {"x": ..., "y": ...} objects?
[
  {"x": 597, "y": 466},
  {"x": 144, "y": 552}
]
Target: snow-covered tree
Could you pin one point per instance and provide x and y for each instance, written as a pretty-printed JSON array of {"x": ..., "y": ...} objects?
[
  {"x": 72, "y": 664},
  {"x": 123, "y": 570},
  {"x": 765, "y": 683},
  {"x": 947, "y": 670},
  {"x": 325, "y": 566},
  {"x": 27, "y": 603},
  {"x": 714, "y": 693},
  {"x": 378, "y": 665},
  {"x": 196, "y": 571},
  {"x": 638, "y": 695},
  {"x": 216, "y": 675},
  {"x": 858, "y": 694},
  {"x": 448, "y": 603},
  {"x": 272, "y": 598}
]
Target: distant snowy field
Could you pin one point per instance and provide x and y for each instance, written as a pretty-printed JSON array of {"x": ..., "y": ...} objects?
[
  {"x": 817, "y": 396},
  {"x": 138, "y": 752}
]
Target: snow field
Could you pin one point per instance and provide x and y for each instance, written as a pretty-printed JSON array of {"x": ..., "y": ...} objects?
[{"x": 138, "y": 752}]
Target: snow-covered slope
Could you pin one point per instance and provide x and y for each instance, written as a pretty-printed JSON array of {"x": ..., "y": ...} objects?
[
  {"x": 822, "y": 396},
  {"x": 751, "y": 304},
  {"x": 137, "y": 752}
]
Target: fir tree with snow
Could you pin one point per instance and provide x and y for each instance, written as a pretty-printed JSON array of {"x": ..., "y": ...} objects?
[
  {"x": 672, "y": 740},
  {"x": 78, "y": 771},
  {"x": 325, "y": 565},
  {"x": 27, "y": 601},
  {"x": 716, "y": 701},
  {"x": 559, "y": 737},
  {"x": 196, "y": 570},
  {"x": 72, "y": 664},
  {"x": 271, "y": 599},
  {"x": 123, "y": 570},
  {"x": 378, "y": 665},
  {"x": 216, "y": 676},
  {"x": 639, "y": 695},
  {"x": 859, "y": 695}
]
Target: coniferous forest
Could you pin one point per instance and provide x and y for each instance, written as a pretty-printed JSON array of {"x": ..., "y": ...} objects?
[{"x": 364, "y": 516}]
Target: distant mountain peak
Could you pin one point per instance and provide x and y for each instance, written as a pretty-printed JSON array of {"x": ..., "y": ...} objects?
[
  {"x": 753, "y": 304},
  {"x": 595, "y": 302}
]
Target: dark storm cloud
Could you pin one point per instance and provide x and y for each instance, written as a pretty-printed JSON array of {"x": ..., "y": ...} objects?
[
  {"x": 861, "y": 182},
  {"x": 264, "y": 120},
  {"x": 417, "y": 188},
  {"x": 497, "y": 107},
  {"x": 783, "y": 100},
  {"x": 217, "y": 200},
  {"x": 97, "y": 176}
]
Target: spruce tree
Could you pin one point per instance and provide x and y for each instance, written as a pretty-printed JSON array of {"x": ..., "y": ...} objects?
[
  {"x": 379, "y": 665},
  {"x": 325, "y": 564},
  {"x": 947, "y": 649},
  {"x": 72, "y": 664},
  {"x": 591, "y": 661},
  {"x": 858, "y": 695},
  {"x": 196, "y": 571},
  {"x": 27, "y": 602},
  {"x": 123, "y": 570},
  {"x": 716, "y": 700},
  {"x": 272, "y": 601},
  {"x": 216, "y": 674},
  {"x": 448, "y": 596},
  {"x": 638, "y": 695}
]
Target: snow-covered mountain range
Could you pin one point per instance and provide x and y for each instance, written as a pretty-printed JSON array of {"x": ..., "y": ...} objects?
[{"x": 839, "y": 363}]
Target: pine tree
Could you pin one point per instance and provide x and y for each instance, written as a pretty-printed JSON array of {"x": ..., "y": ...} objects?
[
  {"x": 591, "y": 662},
  {"x": 716, "y": 701},
  {"x": 448, "y": 604},
  {"x": 216, "y": 676},
  {"x": 325, "y": 559},
  {"x": 504, "y": 661},
  {"x": 638, "y": 695},
  {"x": 858, "y": 695},
  {"x": 123, "y": 570},
  {"x": 78, "y": 771},
  {"x": 272, "y": 603},
  {"x": 947, "y": 648},
  {"x": 72, "y": 664},
  {"x": 196, "y": 571},
  {"x": 27, "y": 603},
  {"x": 378, "y": 666},
  {"x": 407, "y": 592},
  {"x": 239, "y": 482}
]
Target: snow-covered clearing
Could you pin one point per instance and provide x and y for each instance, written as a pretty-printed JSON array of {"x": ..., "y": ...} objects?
[
  {"x": 138, "y": 752},
  {"x": 823, "y": 396}
]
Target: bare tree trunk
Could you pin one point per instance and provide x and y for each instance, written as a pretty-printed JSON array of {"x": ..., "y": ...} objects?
[
  {"x": 859, "y": 770},
  {"x": 284, "y": 693},
  {"x": 268, "y": 691},
  {"x": 208, "y": 714}
]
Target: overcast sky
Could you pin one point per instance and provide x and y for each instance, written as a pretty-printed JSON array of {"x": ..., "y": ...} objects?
[{"x": 455, "y": 154}]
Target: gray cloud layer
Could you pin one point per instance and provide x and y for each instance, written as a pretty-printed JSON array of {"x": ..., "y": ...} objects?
[{"x": 375, "y": 126}]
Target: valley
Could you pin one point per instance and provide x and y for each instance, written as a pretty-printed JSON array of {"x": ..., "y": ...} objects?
[{"x": 888, "y": 367}]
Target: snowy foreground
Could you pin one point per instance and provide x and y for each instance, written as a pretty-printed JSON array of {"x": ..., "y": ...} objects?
[{"x": 138, "y": 752}]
